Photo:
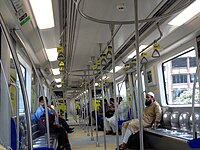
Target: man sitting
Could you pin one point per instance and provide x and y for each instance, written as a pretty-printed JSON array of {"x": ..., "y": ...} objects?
[
  {"x": 63, "y": 142},
  {"x": 40, "y": 111},
  {"x": 151, "y": 116}
]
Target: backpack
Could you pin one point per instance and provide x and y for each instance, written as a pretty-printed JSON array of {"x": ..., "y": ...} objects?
[{"x": 42, "y": 123}]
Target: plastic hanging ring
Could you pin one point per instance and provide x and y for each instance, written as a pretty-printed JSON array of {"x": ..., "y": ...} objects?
[
  {"x": 144, "y": 60},
  {"x": 155, "y": 54},
  {"x": 103, "y": 62}
]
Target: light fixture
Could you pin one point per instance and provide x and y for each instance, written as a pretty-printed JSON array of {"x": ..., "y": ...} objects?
[
  {"x": 117, "y": 68},
  {"x": 58, "y": 80},
  {"x": 187, "y": 14},
  {"x": 134, "y": 53},
  {"x": 43, "y": 13},
  {"x": 56, "y": 71},
  {"x": 59, "y": 85},
  {"x": 52, "y": 54}
]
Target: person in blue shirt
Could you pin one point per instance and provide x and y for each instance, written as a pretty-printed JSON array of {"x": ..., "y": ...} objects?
[
  {"x": 59, "y": 129},
  {"x": 41, "y": 111}
]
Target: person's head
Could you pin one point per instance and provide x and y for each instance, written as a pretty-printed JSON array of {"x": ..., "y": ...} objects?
[
  {"x": 112, "y": 100},
  {"x": 105, "y": 102},
  {"x": 149, "y": 98},
  {"x": 119, "y": 99},
  {"x": 41, "y": 101}
]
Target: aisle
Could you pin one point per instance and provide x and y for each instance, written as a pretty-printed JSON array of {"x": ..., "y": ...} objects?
[{"x": 80, "y": 141}]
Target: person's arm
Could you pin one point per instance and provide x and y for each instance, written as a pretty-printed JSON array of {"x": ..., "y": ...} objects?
[
  {"x": 158, "y": 112},
  {"x": 52, "y": 110}
]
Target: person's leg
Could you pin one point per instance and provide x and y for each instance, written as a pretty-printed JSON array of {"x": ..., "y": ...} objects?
[
  {"x": 64, "y": 124},
  {"x": 63, "y": 141},
  {"x": 123, "y": 132},
  {"x": 125, "y": 139},
  {"x": 101, "y": 124},
  {"x": 112, "y": 124},
  {"x": 127, "y": 134},
  {"x": 107, "y": 126}
]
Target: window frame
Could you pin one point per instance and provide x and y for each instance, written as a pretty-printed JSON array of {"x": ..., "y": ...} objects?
[{"x": 163, "y": 76}]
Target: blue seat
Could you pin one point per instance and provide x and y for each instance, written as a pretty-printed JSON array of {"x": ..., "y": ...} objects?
[
  {"x": 120, "y": 122},
  {"x": 194, "y": 143}
]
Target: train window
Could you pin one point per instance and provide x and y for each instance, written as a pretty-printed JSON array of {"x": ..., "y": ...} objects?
[
  {"x": 179, "y": 74},
  {"x": 179, "y": 78},
  {"x": 21, "y": 103},
  {"x": 179, "y": 62},
  {"x": 26, "y": 72},
  {"x": 23, "y": 72}
]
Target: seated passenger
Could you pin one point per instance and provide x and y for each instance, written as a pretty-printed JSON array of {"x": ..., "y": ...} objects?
[
  {"x": 40, "y": 111},
  {"x": 63, "y": 142},
  {"x": 151, "y": 116},
  {"x": 111, "y": 109},
  {"x": 122, "y": 114},
  {"x": 100, "y": 115}
]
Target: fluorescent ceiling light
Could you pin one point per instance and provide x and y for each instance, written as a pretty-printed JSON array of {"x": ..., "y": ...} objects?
[
  {"x": 140, "y": 49},
  {"x": 43, "y": 13},
  {"x": 187, "y": 14},
  {"x": 56, "y": 71},
  {"x": 117, "y": 68},
  {"x": 58, "y": 80},
  {"x": 52, "y": 54},
  {"x": 59, "y": 85}
]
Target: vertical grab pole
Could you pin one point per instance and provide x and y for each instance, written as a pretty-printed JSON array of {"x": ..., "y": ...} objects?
[
  {"x": 138, "y": 74},
  {"x": 103, "y": 96},
  {"x": 84, "y": 110},
  {"x": 22, "y": 84},
  {"x": 90, "y": 100},
  {"x": 114, "y": 88},
  {"x": 17, "y": 112},
  {"x": 130, "y": 80},
  {"x": 40, "y": 83},
  {"x": 86, "y": 100},
  {"x": 95, "y": 108},
  {"x": 193, "y": 102}
]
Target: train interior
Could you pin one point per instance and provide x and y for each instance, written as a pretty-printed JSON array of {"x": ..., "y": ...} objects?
[{"x": 79, "y": 53}]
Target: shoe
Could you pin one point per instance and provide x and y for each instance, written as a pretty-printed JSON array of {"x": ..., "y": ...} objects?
[
  {"x": 70, "y": 131},
  {"x": 109, "y": 132},
  {"x": 71, "y": 128},
  {"x": 114, "y": 133},
  {"x": 123, "y": 146},
  {"x": 99, "y": 129}
]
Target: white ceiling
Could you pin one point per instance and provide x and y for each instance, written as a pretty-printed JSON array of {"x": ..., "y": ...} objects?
[{"x": 89, "y": 34}]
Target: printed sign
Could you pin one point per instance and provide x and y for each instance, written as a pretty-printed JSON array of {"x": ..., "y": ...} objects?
[{"x": 20, "y": 11}]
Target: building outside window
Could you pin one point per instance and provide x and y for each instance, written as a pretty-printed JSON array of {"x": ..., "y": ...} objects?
[{"x": 179, "y": 74}]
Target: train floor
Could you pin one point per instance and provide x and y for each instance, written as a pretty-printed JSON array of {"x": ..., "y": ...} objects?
[{"x": 79, "y": 139}]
